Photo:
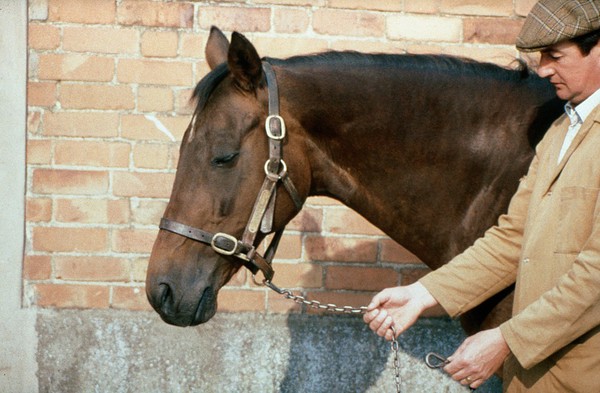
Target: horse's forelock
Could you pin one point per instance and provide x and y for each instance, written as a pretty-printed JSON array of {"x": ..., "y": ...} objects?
[{"x": 207, "y": 85}]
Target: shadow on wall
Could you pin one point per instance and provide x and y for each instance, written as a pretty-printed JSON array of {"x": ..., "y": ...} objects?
[{"x": 340, "y": 354}]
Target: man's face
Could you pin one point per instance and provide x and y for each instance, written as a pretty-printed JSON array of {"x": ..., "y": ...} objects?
[{"x": 574, "y": 75}]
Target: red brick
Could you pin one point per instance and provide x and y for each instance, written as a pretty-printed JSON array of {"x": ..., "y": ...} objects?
[
  {"x": 92, "y": 153},
  {"x": 479, "y": 7},
  {"x": 139, "y": 269},
  {"x": 155, "y": 72},
  {"x": 301, "y": 275},
  {"x": 38, "y": 209},
  {"x": 43, "y": 37},
  {"x": 147, "y": 211},
  {"x": 33, "y": 122},
  {"x": 160, "y": 14},
  {"x": 60, "y": 239},
  {"x": 375, "y": 5},
  {"x": 291, "y": 20},
  {"x": 281, "y": 305},
  {"x": 79, "y": 124},
  {"x": 348, "y": 222},
  {"x": 290, "y": 247},
  {"x": 235, "y": 300},
  {"x": 290, "y": 2},
  {"x": 422, "y": 6},
  {"x": 143, "y": 185},
  {"x": 82, "y": 11},
  {"x": 491, "y": 31},
  {"x": 184, "y": 104},
  {"x": 152, "y": 156},
  {"x": 71, "y": 296},
  {"x": 244, "y": 19},
  {"x": 101, "y": 40},
  {"x": 393, "y": 252},
  {"x": 133, "y": 240},
  {"x": 340, "y": 249},
  {"x": 76, "y": 67},
  {"x": 155, "y": 99},
  {"x": 160, "y": 43},
  {"x": 39, "y": 151},
  {"x": 91, "y": 96},
  {"x": 410, "y": 276},
  {"x": 522, "y": 7},
  {"x": 360, "y": 278},
  {"x": 91, "y": 269},
  {"x": 92, "y": 211},
  {"x": 130, "y": 298},
  {"x": 192, "y": 45},
  {"x": 37, "y": 267},
  {"x": 145, "y": 128},
  {"x": 41, "y": 94},
  {"x": 349, "y": 23},
  {"x": 59, "y": 181},
  {"x": 308, "y": 220}
]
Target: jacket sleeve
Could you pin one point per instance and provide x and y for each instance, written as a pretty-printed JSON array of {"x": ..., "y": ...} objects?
[
  {"x": 488, "y": 266},
  {"x": 571, "y": 308}
]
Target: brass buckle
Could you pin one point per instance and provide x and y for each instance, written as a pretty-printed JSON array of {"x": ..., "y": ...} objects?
[
  {"x": 213, "y": 243},
  {"x": 270, "y": 132}
]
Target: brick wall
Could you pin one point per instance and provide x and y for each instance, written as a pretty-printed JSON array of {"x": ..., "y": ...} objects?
[{"x": 108, "y": 91}]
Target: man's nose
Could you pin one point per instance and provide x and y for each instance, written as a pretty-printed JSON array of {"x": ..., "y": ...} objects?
[{"x": 544, "y": 69}]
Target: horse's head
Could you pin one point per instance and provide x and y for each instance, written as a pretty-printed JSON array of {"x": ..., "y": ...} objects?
[{"x": 210, "y": 229}]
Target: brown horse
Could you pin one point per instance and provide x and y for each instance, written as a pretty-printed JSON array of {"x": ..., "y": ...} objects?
[{"x": 427, "y": 148}]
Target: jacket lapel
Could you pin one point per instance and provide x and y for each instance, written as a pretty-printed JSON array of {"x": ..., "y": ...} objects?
[{"x": 593, "y": 117}]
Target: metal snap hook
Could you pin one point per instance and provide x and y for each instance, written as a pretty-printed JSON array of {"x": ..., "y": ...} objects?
[{"x": 434, "y": 360}]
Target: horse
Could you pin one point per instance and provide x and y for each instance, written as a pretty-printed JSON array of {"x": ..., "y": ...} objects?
[{"x": 428, "y": 148}]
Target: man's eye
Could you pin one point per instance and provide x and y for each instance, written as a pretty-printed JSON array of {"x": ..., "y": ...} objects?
[{"x": 224, "y": 159}]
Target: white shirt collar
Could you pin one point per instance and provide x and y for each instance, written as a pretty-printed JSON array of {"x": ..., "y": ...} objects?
[{"x": 579, "y": 113}]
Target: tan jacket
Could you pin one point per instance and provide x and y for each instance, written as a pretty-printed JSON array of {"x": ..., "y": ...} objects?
[{"x": 549, "y": 243}]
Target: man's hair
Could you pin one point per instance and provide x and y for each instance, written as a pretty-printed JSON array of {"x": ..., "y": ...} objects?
[{"x": 587, "y": 41}]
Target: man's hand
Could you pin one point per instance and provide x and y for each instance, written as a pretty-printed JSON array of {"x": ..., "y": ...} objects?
[
  {"x": 399, "y": 307},
  {"x": 478, "y": 357}
]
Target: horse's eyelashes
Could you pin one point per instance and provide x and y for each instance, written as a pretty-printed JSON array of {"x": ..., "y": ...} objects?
[{"x": 224, "y": 160}]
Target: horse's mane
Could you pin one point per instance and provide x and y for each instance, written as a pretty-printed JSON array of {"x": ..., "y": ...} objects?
[
  {"x": 428, "y": 62},
  {"x": 441, "y": 64}
]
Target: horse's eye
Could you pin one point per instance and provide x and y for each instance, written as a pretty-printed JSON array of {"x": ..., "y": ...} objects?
[{"x": 223, "y": 160}]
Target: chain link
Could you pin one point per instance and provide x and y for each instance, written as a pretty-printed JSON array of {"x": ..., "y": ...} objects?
[{"x": 395, "y": 346}]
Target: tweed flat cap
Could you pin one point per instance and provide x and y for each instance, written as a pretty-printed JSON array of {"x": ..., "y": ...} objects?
[{"x": 553, "y": 21}]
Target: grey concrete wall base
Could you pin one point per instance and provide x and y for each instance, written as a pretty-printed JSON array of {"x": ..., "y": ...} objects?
[
  {"x": 17, "y": 333},
  {"x": 118, "y": 351}
]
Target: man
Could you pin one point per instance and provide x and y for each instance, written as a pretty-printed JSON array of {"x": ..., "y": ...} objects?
[{"x": 548, "y": 242}]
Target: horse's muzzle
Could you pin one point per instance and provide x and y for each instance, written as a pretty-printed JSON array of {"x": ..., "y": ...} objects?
[{"x": 179, "y": 311}]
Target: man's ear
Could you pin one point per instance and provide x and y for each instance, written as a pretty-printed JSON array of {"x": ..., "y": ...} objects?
[
  {"x": 244, "y": 63},
  {"x": 217, "y": 47}
]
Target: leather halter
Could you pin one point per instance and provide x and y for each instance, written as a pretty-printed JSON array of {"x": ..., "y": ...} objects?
[{"x": 264, "y": 205}]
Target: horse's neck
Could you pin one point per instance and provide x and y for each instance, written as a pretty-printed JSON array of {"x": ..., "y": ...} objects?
[{"x": 378, "y": 153}]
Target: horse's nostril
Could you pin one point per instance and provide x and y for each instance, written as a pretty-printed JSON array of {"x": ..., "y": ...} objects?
[{"x": 164, "y": 293}]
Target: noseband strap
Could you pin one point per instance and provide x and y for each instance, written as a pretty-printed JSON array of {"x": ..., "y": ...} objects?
[{"x": 264, "y": 205}]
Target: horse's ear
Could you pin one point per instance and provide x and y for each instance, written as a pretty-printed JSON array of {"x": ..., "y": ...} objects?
[
  {"x": 244, "y": 62},
  {"x": 217, "y": 47}
]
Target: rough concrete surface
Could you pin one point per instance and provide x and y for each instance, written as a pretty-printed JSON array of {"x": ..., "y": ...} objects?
[{"x": 119, "y": 351}]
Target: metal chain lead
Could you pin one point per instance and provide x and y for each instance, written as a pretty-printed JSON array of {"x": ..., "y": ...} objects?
[{"x": 395, "y": 346}]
